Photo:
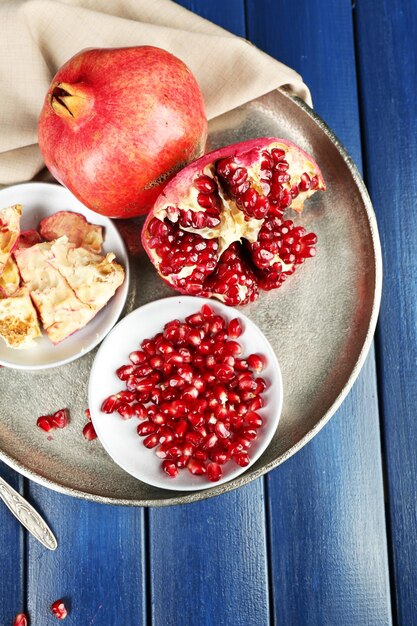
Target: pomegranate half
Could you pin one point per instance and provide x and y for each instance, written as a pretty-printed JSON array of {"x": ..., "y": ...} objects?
[
  {"x": 218, "y": 228},
  {"x": 117, "y": 123}
]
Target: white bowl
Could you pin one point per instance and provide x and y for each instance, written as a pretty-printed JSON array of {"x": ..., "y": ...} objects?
[
  {"x": 119, "y": 437},
  {"x": 40, "y": 200}
]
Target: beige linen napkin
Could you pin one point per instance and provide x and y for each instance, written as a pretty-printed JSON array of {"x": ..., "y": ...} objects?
[{"x": 38, "y": 36}]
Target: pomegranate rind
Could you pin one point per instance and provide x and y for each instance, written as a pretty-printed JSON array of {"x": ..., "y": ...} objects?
[
  {"x": 19, "y": 325},
  {"x": 62, "y": 278},
  {"x": 27, "y": 238},
  {"x": 75, "y": 227},
  {"x": 9, "y": 232},
  {"x": 180, "y": 197},
  {"x": 9, "y": 279}
]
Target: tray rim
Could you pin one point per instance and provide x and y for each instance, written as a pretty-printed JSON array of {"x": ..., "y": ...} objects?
[{"x": 245, "y": 478}]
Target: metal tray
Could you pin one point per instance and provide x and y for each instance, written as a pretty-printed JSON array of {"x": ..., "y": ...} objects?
[{"x": 320, "y": 323}]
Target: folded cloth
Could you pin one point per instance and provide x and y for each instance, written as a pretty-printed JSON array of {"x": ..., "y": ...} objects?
[{"x": 38, "y": 36}]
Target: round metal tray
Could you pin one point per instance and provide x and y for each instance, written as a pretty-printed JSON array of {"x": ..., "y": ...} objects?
[{"x": 320, "y": 323}]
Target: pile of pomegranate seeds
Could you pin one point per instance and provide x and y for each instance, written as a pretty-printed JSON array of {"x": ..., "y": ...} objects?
[
  {"x": 197, "y": 399},
  {"x": 60, "y": 419}
]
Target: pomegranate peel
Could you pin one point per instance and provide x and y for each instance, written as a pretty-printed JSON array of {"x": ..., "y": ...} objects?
[
  {"x": 217, "y": 229},
  {"x": 27, "y": 238},
  {"x": 75, "y": 227}
]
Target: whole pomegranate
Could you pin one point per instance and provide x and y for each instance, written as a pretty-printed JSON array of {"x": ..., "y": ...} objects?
[
  {"x": 218, "y": 228},
  {"x": 118, "y": 123}
]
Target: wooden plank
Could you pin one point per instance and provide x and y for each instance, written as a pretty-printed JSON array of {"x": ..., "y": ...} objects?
[
  {"x": 98, "y": 567},
  {"x": 326, "y": 509},
  {"x": 208, "y": 562},
  {"x": 12, "y": 563},
  {"x": 387, "y": 31},
  {"x": 229, "y": 15}
]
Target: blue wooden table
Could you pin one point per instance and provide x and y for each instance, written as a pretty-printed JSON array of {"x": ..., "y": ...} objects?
[{"x": 330, "y": 537}]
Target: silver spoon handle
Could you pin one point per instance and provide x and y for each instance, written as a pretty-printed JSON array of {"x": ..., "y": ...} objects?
[{"x": 27, "y": 515}]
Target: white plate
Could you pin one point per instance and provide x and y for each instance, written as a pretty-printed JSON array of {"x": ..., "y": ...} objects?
[
  {"x": 119, "y": 437},
  {"x": 40, "y": 200}
]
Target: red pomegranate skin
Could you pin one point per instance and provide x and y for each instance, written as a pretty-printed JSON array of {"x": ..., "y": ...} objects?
[{"x": 118, "y": 123}]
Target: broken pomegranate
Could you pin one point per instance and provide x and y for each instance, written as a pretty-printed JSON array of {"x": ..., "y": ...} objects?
[
  {"x": 196, "y": 396},
  {"x": 219, "y": 229},
  {"x": 58, "y": 609}
]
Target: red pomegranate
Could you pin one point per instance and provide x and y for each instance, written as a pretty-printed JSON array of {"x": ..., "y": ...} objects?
[
  {"x": 118, "y": 123},
  {"x": 218, "y": 228}
]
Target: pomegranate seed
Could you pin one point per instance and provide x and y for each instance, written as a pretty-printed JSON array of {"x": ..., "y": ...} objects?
[
  {"x": 241, "y": 459},
  {"x": 253, "y": 419},
  {"x": 111, "y": 404},
  {"x": 139, "y": 410},
  {"x": 165, "y": 435},
  {"x": 126, "y": 396},
  {"x": 210, "y": 441},
  {"x": 219, "y": 456},
  {"x": 205, "y": 184},
  {"x": 162, "y": 451},
  {"x": 181, "y": 428},
  {"x": 146, "y": 428},
  {"x": 148, "y": 346},
  {"x": 45, "y": 423},
  {"x": 207, "y": 312},
  {"x": 232, "y": 347},
  {"x": 193, "y": 438},
  {"x": 88, "y": 414},
  {"x": 222, "y": 431},
  {"x": 190, "y": 393},
  {"x": 200, "y": 454},
  {"x": 196, "y": 467},
  {"x": 194, "y": 320},
  {"x": 217, "y": 324},
  {"x": 126, "y": 411},
  {"x": 256, "y": 362},
  {"x": 165, "y": 347},
  {"x": 170, "y": 468},
  {"x": 255, "y": 404},
  {"x": 145, "y": 385},
  {"x": 20, "y": 620},
  {"x": 89, "y": 432},
  {"x": 249, "y": 434},
  {"x": 125, "y": 371},
  {"x": 220, "y": 394},
  {"x": 182, "y": 461},
  {"x": 223, "y": 372},
  {"x": 194, "y": 337},
  {"x": 241, "y": 365},
  {"x": 59, "y": 610},
  {"x": 158, "y": 419},
  {"x": 151, "y": 441},
  {"x": 214, "y": 472},
  {"x": 196, "y": 420},
  {"x": 60, "y": 419},
  {"x": 235, "y": 328},
  {"x": 138, "y": 357}
]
